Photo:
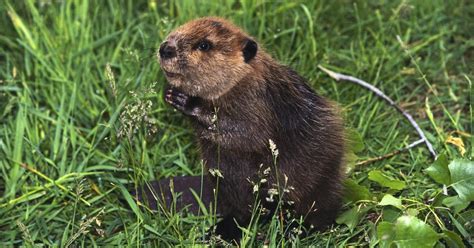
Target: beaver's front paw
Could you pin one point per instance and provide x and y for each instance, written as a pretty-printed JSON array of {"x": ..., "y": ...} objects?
[
  {"x": 177, "y": 99},
  {"x": 189, "y": 105}
]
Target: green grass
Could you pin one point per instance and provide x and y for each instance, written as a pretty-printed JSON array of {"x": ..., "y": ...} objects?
[{"x": 67, "y": 153}]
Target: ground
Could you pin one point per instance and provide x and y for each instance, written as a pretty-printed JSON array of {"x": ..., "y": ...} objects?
[{"x": 82, "y": 118}]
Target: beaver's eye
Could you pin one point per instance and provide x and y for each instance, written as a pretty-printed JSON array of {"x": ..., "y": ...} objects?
[{"x": 204, "y": 45}]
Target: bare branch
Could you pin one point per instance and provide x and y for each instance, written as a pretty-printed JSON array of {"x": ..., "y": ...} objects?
[
  {"x": 380, "y": 94},
  {"x": 391, "y": 154}
]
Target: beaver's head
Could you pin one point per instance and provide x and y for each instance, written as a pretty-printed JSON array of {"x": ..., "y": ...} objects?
[{"x": 206, "y": 57}]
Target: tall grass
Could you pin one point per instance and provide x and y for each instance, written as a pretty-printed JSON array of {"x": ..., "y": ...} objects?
[{"x": 70, "y": 71}]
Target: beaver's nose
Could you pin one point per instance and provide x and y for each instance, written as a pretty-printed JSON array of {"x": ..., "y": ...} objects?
[{"x": 167, "y": 51}]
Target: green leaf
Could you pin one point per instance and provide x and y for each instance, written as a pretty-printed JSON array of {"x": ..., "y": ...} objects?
[
  {"x": 412, "y": 212},
  {"x": 462, "y": 178},
  {"x": 389, "y": 200},
  {"x": 466, "y": 223},
  {"x": 412, "y": 232},
  {"x": 452, "y": 239},
  {"x": 351, "y": 159},
  {"x": 456, "y": 203},
  {"x": 439, "y": 170},
  {"x": 356, "y": 143},
  {"x": 385, "y": 233},
  {"x": 408, "y": 231},
  {"x": 354, "y": 192},
  {"x": 352, "y": 216},
  {"x": 391, "y": 214},
  {"x": 380, "y": 178}
]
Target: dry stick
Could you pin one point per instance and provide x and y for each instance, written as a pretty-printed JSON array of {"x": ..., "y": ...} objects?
[
  {"x": 379, "y": 93},
  {"x": 388, "y": 155}
]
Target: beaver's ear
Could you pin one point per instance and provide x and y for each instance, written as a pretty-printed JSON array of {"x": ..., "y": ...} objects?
[{"x": 249, "y": 49}]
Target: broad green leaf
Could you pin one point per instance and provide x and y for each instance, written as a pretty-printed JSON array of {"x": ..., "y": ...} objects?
[
  {"x": 439, "y": 170},
  {"x": 412, "y": 232},
  {"x": 452, "y": 239},
  {"x": 391, "y": 214},
  {"x": 456, "y": 203},
  {"x": 352, "y": 216},
  {"x": 408, "y": 231},
  {"x": 356, "y": 143},
  {"x": 389, "y": 200},
  {"x": 354, "y": 192},
  {"x": 385, "y": 233},
  {"x": 466, "y": 221},
  {"x": 382, "y": 179},
  {"x": 351, "y": 159},
  {"x": 412, "y": 212},
  {"x": 462, "y": 178}
]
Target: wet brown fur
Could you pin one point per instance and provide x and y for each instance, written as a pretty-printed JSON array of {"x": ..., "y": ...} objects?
[{"x": 254, "y": 102}]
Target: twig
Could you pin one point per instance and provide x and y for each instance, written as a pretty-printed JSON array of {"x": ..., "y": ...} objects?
[
  {"x": 380, "y": 94},
  {"x": 391, "y": 154}
]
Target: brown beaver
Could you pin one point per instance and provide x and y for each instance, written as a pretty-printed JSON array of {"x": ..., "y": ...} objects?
[{"x": 240, "y": 100}]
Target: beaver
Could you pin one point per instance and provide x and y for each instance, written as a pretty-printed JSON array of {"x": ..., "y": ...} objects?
[{"x": 259, "y": 125}]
